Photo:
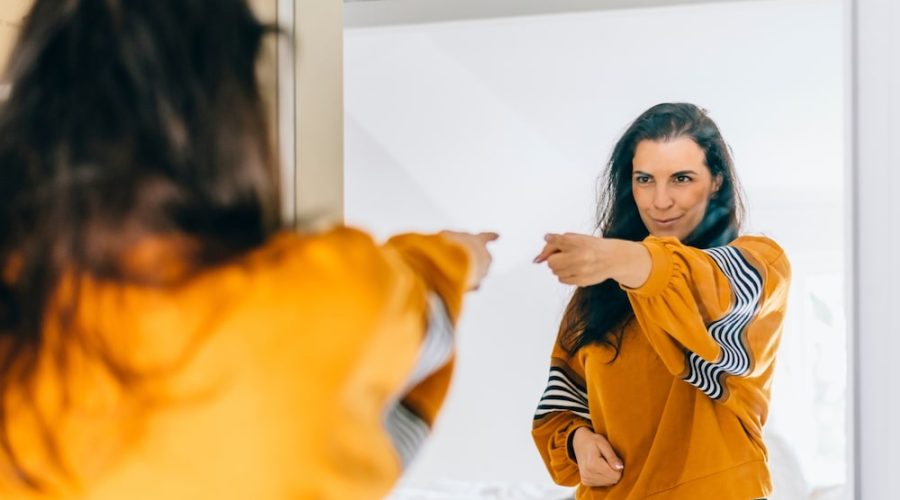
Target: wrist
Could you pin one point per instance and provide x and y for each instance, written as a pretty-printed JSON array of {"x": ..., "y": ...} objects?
[
  {"x": 570, "y": 446},
  {"x": 577, "y": 436},
  {"x": 632, "y": 264},
  {"x": 465, "y": 246}
]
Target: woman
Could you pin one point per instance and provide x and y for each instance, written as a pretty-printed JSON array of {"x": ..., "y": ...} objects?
[
  {"x": 659, "y": 379},
  {"x": 161, "y": 335}
]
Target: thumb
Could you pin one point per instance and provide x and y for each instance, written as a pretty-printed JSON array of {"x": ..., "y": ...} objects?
[{"x": 609, "y": 454}]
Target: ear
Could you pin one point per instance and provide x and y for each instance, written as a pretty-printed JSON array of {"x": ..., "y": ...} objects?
[{"x": 717, "y": 183}]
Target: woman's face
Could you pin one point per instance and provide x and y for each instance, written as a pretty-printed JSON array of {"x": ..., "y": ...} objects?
[{"x": 672, "y": 185}]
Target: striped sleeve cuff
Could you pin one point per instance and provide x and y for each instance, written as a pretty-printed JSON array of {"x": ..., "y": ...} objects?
[{"x": 406, "y": 428}]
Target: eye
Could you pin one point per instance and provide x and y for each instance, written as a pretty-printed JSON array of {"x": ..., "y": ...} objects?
[
  {"x": 642, "y": 179},
  {"x": 682, "y": 179}
]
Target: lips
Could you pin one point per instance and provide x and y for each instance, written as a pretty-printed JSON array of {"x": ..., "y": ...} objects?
[{"x": 666, "y": 222}]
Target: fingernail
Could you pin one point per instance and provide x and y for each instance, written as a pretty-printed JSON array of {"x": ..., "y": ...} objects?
[{"x": 619, "y": 466}]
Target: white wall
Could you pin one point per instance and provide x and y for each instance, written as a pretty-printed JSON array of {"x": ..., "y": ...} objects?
[{"x": 505, "y": 124}]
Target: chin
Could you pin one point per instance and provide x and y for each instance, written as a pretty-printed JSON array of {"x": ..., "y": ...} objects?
[{"x": 668, "y": 233}]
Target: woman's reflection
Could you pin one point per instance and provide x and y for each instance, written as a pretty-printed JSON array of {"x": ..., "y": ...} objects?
[{"x": 659, "y": 379}]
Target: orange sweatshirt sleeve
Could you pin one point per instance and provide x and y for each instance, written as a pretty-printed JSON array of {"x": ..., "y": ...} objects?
[
  {"x": 380, "y": 346},
  {"x": 714, "y": 315},
  {"x": 563, "y": 409},
  {"x": 443, "y": 267}
]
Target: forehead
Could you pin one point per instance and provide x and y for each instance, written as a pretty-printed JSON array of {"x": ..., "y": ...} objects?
[{"x": 667, "y": 157}]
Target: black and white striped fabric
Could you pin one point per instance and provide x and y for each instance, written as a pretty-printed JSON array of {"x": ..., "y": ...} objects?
[
  {"x": 407, "y": 430},
  {"x": 438, "y": 344},
  {"x": 563, "y": 393},
  {"x": 746, "y": 287}
]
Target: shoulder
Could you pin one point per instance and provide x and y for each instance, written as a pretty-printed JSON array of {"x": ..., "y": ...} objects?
[
  {"x": 332, "y": 250},
  {"x": 759, "y": 244},
  {"x": 342, "y": 258},
  {"x": 765, "y": 255},
  {"x": 761, "y": 248}
]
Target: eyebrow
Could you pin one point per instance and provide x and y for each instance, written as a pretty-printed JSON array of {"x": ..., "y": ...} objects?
[{"x": 680, "y": 172}]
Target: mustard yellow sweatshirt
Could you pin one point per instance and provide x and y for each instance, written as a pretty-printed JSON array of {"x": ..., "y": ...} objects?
[
  {"x": 311, "y": 368},
  {"x": 685, "y": 402}
]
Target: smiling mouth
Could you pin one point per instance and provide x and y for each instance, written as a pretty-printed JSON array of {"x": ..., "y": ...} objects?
[{"x": 666, "y": 222}]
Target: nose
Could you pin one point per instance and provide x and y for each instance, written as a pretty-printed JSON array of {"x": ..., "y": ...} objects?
[{"x": 661, "y": 199}]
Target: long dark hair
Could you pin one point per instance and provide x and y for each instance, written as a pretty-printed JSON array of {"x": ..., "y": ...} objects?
[
  {"x": 598, "y": 314},
  {"x": 126, "y": 119}
]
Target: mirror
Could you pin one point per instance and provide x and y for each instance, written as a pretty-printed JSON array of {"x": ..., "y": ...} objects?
[{"x": 475, "y": 116}]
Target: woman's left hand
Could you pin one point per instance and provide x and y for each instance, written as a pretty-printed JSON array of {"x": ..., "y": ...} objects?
[{"x": 583, "y": 260}]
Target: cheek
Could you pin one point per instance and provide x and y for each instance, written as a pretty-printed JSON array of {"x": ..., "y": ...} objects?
[
  {"x": 641, "y": 198},
  {"x": 694, "y": 200}
]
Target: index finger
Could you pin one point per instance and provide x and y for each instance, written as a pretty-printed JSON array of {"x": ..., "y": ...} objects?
[
  {"x": 546, "y": 252},
  {"x": 488, "y": 237},
  {"x": 564, "y": 242}
]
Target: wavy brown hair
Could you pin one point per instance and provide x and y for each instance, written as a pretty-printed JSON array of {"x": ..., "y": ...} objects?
[{"x": 126, "y": 119}]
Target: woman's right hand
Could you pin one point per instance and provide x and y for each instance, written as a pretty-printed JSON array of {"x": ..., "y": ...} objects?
[
  {"x": 597, "y": 461},
  {"x": 476, "y": 244}
]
